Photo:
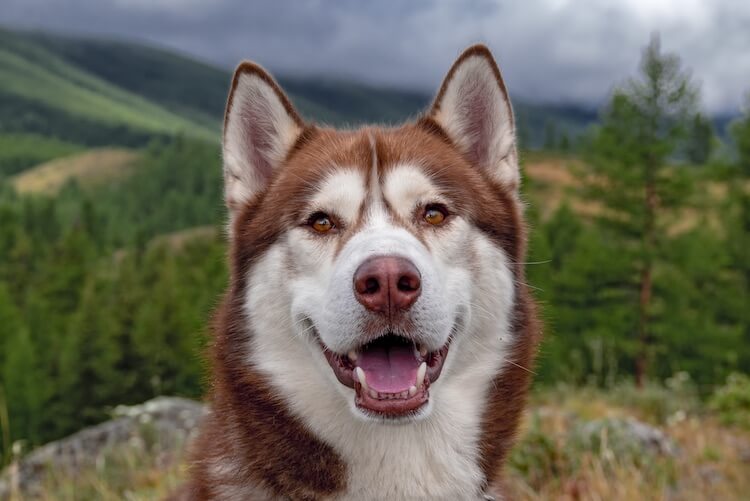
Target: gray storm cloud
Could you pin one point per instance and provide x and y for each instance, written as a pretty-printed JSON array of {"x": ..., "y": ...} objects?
[{"x": 549, "y": 50}]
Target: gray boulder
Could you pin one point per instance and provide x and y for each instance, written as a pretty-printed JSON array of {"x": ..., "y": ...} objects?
[
  {"x": 161, "y": 425},
  {"x": 623, "y": 437}
]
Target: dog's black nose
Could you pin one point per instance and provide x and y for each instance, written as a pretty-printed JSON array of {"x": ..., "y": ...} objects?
[{"x": 385, "y": 284}]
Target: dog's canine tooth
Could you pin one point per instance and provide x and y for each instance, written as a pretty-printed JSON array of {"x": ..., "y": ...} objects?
[
  {"x": 423, "y": 351},
  {"x": 352, "y": 355},
  {"x": 420, "y": 374},
  {"x": 361, "y": 377}
]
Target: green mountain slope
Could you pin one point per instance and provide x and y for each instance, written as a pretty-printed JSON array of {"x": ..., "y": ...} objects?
[
  {"x": 179, "y": 83},
  {"x": 98, "y": 92},
  {"x": 31, "y": 74},
  {"x": 198, "y": 90}
]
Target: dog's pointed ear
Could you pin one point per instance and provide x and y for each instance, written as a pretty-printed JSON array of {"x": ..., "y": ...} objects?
[
  {"x": 474, "y": 110},
  {"x": 260, "y": 127}
]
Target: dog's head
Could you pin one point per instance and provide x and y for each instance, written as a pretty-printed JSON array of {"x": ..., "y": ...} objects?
[{"x": 376, "y": 266}]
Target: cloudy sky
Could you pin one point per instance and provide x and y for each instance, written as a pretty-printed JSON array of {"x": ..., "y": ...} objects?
[{"x": 549, "y": 50}]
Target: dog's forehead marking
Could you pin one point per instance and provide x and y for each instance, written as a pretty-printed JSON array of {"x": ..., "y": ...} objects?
[
  {"x": 342, "y": 191},
  {"x": 406, "y": 186},
  {"x": 374, "y": 214},
  {"x": 375, "y": 200}
]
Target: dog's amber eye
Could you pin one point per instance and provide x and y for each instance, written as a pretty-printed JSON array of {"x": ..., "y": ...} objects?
[
  {"x": 435, "y": 214},
  {"x": 321, "y": 222}
]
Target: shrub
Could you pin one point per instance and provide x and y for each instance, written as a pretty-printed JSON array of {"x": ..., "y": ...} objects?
[
  {"x": 732, "y": 400},
  {"x": 658, "y": 403}
]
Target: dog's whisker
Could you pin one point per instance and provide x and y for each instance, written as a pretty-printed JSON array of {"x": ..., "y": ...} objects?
[
  {"x": 546, "y": 261},
  {"x": 521, "y": 367}
]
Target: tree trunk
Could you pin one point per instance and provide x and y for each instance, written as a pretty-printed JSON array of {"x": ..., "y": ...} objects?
[
  {"x": 646, "y": 283},
  {"x": 643, "y": 327}
]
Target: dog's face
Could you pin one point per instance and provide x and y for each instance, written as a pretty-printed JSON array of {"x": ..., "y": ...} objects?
[{"x": 377, "y": 263}]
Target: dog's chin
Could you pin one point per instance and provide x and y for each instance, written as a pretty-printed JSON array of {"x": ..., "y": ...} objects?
[{"x": 388, "y": 378}]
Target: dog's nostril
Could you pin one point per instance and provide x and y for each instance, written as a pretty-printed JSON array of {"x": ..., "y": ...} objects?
[
  {"x": 408, "y": 283},
  {"x": 371, "y": 286}
]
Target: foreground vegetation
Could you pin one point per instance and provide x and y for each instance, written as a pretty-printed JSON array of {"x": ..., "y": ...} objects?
[{"x": 572, "y": 446}]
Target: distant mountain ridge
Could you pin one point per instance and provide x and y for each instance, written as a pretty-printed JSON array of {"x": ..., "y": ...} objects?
[
  {"x": 124, "y": 92},
  {"x": 44, "y": 93}
]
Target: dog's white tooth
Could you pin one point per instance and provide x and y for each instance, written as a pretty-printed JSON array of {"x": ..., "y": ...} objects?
[
  {"x": 352, "y": 355},
  {"x": 404, "y": 394},
  {"x": 373, "y": 394},
  {"x": 423, "y": 351},
  {"x": 412, "y": 390},
  {"x": 361, "y": 376},
  {"x": 417, "y": 351},
  {"x": 420, "y": 374}
]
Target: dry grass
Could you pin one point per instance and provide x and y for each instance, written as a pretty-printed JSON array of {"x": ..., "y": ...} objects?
[
  {"x": 88, "y": 169},
  {"x": 177, "y": 240},
  {"x": 127, "y": 474},
  {"x": 712, "y": 462}
]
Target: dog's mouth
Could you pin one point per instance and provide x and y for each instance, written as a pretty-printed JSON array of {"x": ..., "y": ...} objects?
[{"x": 390, "y": 375}]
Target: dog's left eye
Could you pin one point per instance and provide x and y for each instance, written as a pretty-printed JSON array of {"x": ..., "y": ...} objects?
[
  {"x": 435, "y": 214},
  {"x": 321, "y": 222}
]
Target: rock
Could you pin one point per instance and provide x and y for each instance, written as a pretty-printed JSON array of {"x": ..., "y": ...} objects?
[
  {"x": 743, "y": 449},
  {"x": 161, "y": 425},
  {"x": 710, "y": 474},
  {"x": 623, "y": 436}
]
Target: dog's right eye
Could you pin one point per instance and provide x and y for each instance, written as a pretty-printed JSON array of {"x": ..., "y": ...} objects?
[
  {"x": 435, "y": 214},
  {"x": 321, "y": 222}
]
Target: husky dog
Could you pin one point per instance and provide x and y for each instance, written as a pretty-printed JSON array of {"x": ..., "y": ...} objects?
[{"x": 376, "y": 336}]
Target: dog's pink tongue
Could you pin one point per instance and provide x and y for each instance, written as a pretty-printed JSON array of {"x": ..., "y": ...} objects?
[{"x": 390, "y": 369}]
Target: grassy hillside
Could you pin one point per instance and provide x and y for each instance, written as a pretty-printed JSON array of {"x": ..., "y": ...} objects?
[
  {"x": 20, "y": 151},
  {"x": 31, "y": 73},
  {"x": 197, "y": 90},
  {"x": 88, "y": 169},
  {"x": 184, "y": 85}
]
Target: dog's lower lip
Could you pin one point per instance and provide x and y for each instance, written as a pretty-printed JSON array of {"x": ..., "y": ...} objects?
[{"x": 389, "y": 395}]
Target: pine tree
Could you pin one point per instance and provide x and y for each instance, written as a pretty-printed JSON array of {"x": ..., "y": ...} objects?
[
  {"x": 642, "y": 129},
  {"x": 20, "y": 375},
  {"x": 739, "y": 221},
  {"x": 700, "y": 141}
]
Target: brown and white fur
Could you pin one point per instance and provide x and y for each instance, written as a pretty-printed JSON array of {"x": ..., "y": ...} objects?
[{"x": 282, "y": 426}]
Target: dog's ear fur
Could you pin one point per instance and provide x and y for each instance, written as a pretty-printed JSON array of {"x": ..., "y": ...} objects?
[
  {"x": 260, "y": 127},
  {"x": 474, "y": 110}
]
